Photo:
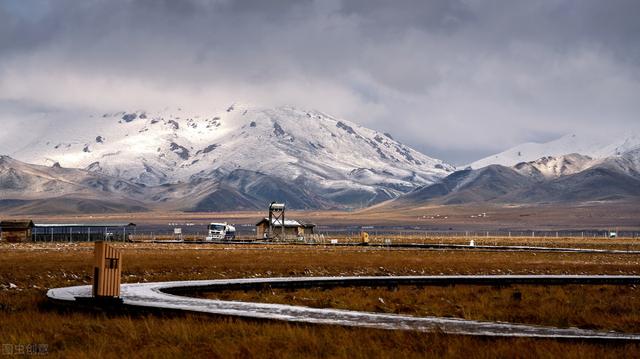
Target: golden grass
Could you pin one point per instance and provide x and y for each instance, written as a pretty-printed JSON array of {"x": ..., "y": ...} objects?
[
  {"x": 600, "y": 307},
  {"x": 479, "y": 239},
  {"x": 85, "y": 335},
  {"x": 26, "y": 317}
]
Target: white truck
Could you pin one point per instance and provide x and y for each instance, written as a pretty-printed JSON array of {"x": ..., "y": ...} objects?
[{"x": 220, "y": 231}]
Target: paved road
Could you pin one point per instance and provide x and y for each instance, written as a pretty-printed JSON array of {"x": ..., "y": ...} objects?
[{"x": 165, "y": 295}]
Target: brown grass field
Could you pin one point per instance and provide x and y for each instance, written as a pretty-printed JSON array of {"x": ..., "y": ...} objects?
[
  {"x": 583, "y": 306},
  {"x": 588, "y": 216},
  {"x": 621, "y": 243},
  {"x": 27, "y": 318}
]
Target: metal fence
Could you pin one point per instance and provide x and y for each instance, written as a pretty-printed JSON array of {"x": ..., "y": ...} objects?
[
  {"x": 486, "y": 234},
  {"x": 324, "y": 236},
  {"x": 70, "y": 234}
]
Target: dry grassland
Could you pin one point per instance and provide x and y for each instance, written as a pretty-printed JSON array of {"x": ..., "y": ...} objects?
[
  {"x": 27, "y": 318},
  {"x": 593, "y": 216},
  {"x": 599, "y": 307},
  {"x": 628, "y": 244}
]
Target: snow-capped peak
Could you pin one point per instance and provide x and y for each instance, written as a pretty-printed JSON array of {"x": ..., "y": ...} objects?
[
  {"x": 179, "y": 146},
  {"x": 596, "y": 147},
  {"x": 553, "y": 167}
]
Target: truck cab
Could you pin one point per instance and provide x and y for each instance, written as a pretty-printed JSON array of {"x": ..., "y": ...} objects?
[{"x": 220, "y": 231}]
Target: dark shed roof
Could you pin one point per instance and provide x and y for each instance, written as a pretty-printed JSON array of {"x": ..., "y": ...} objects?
[
  {"x": 288, "y": 223},
  {"x": 84, "y": 225},
  {"x": 16, "y": 225}
]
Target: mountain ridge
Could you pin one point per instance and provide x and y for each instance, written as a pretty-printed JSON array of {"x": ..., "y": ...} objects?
[
  {"x": 570, "y": 179},
  {"x": 230, "y": 159}
]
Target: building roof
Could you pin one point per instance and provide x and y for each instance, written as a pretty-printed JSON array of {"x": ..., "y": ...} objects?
[
  {"x": 16, "y": 224},
  {"x": 94, "y": 225},
  {"x": 278, "y": 223}
]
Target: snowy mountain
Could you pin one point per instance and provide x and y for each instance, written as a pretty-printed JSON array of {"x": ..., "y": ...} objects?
[
  {"x": 553, "y": 167},
  {"x": 594, "y": 147},
  {"x": 237, "y": 156}
]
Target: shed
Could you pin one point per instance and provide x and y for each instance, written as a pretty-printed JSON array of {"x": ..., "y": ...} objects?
[
  {"x": 16, "y": 230},
  {"x": 292, "y": 228}
]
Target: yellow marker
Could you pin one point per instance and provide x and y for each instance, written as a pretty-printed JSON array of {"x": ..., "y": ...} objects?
[{"x": 364, "y": 237}]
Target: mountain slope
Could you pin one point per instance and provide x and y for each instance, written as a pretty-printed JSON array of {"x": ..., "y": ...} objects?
[
  {"x": 565, "y": 179},
  {"x": 470, "y": 186},
  {"x": 40, "y": 189}
]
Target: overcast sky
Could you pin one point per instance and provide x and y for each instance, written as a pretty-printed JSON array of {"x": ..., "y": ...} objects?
[{"x": 457, "y": 80}]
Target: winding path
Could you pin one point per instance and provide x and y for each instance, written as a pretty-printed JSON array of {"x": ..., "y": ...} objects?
[{"x": 166, "y": 295}]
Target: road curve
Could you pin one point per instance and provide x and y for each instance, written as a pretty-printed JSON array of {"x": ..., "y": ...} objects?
[{"x": 165, "y": 295}]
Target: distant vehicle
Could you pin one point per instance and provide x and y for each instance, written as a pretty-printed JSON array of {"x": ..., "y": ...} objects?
[
  {"x": 221, "y": 231},
  {"x": 613, "y": 234}
]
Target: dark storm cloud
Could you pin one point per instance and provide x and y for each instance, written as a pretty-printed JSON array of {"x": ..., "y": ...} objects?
[{"x": 457, "y": 78}]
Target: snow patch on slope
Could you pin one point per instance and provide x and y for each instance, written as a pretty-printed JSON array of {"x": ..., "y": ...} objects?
[{"x": 553, "y": 167}]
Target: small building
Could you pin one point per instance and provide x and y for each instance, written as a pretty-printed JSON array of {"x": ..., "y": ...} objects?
[
  {"x": 16, "y": 230},
  {"x": 292, "y": 229}
]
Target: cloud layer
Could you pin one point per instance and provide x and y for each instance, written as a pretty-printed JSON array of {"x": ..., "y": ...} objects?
[{"x": 456, "y": 79}]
